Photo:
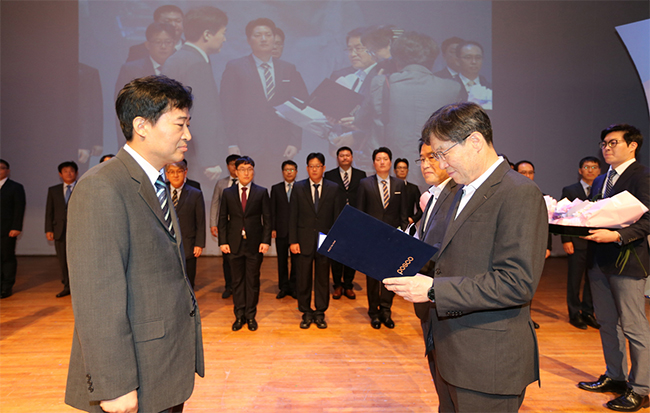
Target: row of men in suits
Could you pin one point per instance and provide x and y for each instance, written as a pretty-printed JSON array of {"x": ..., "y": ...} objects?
[{"x": 12, "y": 212}]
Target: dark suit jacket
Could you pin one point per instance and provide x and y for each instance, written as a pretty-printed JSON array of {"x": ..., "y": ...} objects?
[
  {"x": 256, "y": 219},
  {"x": 487, "y": 269},
  {"x": 280, "y": 210},
  {"x": 56, "y": 212},
  {"x": 137, "y": 51},
  {"x": 349, "y": 195},
  {"x": 195, "y": 184},
  {"x": 370, "y": 201},
  {"x": 12, "y": 207},
  {"x": 191, "y": 217},
  {"x": 635, "y": 180},
  {"x": 304, "y": 221},
  {"x": 571, "y": 192},
  {"x": 413, "y": 201},
  {"x": 445, "y": 74},
  {"x": 136, "y": 325},
  {"x": 247, "y": 114}
]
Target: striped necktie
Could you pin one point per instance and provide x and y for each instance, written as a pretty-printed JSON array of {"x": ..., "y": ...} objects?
[
  {"x": 161, "y": 193},
  {"x": 175, "y": 197},
  {"x": 68, "y": 192},
  {"x": 289, "y": 188},
  {"x": 269, "y": 86},
  {"x": 610, "y": 183},
  {"x": 346, "y": 180},
  {"x": 384, "y": 191}
]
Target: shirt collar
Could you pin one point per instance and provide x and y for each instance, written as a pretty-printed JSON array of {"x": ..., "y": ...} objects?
[
  {"x": 151, "y": 172},
  {"x": 479, "y": 181},
  {"x": 259, "y": 62},
  {"x": 622, "y": 167},
  {"x": 476, "y": 81}
]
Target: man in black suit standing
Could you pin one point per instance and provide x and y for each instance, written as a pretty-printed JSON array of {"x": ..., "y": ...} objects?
[
  {"x": 347, "y": 178},
  {"x": 12, "y": 211},
  {"x": 167, "y": 14},
  {"x": 581, "y": 312},
  {"x": 250, "y": 88},
  {"x": 280, "y": 198},
  {"x": 401, "y": 168},
  {"x": 245, "y": 234},
  {"x": 56, "y": 217},
  {"x": 383, "y": 197},
  {"x": 315, "y": 205},
  {"x": 449, "y": 47},
  {"x": 618, "y": 288},
  {"x": 470, "y": 58},
  {"x": 190, "y": 209}
]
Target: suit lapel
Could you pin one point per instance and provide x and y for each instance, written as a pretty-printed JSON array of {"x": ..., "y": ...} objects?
[
  {"x": 622, "y": 181},
  {"x": 375, "y": 190},
  {"x": 257, "y": 84},
  {"x": 446, "y": 191}
]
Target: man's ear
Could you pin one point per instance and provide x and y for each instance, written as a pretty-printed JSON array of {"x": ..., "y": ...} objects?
[
  {"x": 477, "y": 140},
  {"x": 140, "y": 126}
]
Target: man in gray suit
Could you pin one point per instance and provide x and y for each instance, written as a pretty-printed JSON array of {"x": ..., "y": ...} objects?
[
  {"x": 137, "y": 337},
  {"x": 483, "y": 343}
]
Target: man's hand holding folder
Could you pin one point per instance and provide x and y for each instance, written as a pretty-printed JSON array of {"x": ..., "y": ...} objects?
[{"x": 413, "y": 289}]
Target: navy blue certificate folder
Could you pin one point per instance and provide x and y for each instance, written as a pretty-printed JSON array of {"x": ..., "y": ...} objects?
[{"x": 373, "y": 247}]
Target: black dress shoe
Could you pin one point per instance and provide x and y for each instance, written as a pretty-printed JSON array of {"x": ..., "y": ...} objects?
[
  {"x": 535, "y": 324},
  {"x": 304, "y": 324},
  {"x": 6, "y": 294},
  {"x": 63, "y": 293},
  {"x": 227, "y": 293},
  {"x": 578, "y": 322},
  {"x": 252, "y": 324},
  {"x": 389, "y": 323},
  {"x": 375, "y": 323},
  {"x": 604, "y": 385},
  {"x": 320, "y": 323},
  {"x": 293, "y": 294},
  {"x": 238, "y": 324},
  {"x": 281, "y": 294},
  {"x": 590, "y": 320},
  {"x": 629, "y": 402}
]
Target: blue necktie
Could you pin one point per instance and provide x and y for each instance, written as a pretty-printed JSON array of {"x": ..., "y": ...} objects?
[
  {"x": 68, "y": 192},
  {"x": 610, "y": 183}
]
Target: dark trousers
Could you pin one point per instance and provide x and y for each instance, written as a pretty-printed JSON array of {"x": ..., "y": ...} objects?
[
  {"x": 321, "y": 278},
  {"x": 342, "y": 276},
  {"x": 457, "y": 399},
  {"x": 380, "y": 300},
  {"x": 190, "y": 266},
  {"x": 59, "y": 246},
  {"x": 9, "y": 263},
  {"x": 175, "y": 409},
  {"x": 245, "y": 266},
  {"x": 227, "y": 276},
  {"x": 286, "y": 279},
  {"x": 578, "y": 271}
]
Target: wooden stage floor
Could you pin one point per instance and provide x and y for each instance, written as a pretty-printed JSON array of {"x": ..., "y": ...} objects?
[{"x": 348, "y": 367}]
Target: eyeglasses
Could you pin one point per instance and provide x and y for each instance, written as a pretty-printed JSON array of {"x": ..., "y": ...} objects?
[
  {"x": 592, "y": 167},
  {"x": 289, "y": 170},
  {"x": 357, "y": 50},
  {"x": 472, "y": 58},
  {"x": 314, "y": 166},
  {"x": 430, "y": 158},
  {"x": 245, "y": 170},
  {"x": 441, "y": 156},
  {"x": 612, "y": 144},
  {"x": 163, "y": 43},
  {"x": 402, "y": 168}
]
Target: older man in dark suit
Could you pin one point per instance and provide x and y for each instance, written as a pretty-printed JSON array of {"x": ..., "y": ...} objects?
[
  {"x": 617, "y": 287},
  {"x": 280, "y": 198},
  {"x": 56, "y": 216},
  {"x": 137, "y": 338},
  {"x": 347, "y": 178},
  {"x": 12, "y": 211},
  {"x": 383, "y": 197},
  {"x": 483, "y": 343},
  {"x": 190, "y": 210}
]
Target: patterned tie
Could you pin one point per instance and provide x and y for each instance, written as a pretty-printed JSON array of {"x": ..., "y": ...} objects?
[
  {"x": 384, "y": 192},
  {"x": 243, "y": 198},
  {"x": 316, "y": 196},
  {"x": 161, "y": 193},
  {"x": 588, "y": 190},
  {"x": 289, "y": 188},
  {"x": 346, "y": 180},
  {"x": 68, "y": 192},
  {"x": 610, "y": 183},
  {"x": 268, "y": 81},
  {"x": 175, "y": 197}
]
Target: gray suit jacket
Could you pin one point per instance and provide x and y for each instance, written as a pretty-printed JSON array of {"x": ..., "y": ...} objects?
[
  {"x": 221, "y": 184},
  {"x": 486, "y": 272},
  {"x": 136, "y": 326}
]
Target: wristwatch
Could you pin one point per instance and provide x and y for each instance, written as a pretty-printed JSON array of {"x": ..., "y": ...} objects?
[{"x": 431, "y": 294}]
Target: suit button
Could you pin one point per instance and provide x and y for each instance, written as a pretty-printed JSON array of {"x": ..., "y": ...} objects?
[
  {"x": 192, "y": 313},
  {"x": 88, "y": 376},
  {"x": 438, "y": 271},
  {"x": 91, "y": 389}
]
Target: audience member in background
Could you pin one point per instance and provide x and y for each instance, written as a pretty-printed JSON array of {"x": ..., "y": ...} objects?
[
  {"x": 106, "y": 157},
  {"x": 280, "y": 200},
  {"x": 222, "y": 184},
  {"x": 617, "y": 288},
  {"x": 581, "y": 312},
  {"x": 205, "y": 31},
  {"x": 401, "y": 168},
  {"x": 315, "y": 205},
  {"x": 384, "y": 197},
  {"x": 245, "y": 235},
  {"x": 377, "y": 40},
  {"x": 12, "y": 211},
  {"x": 167, "y": 14},
  {"x": 478, "y": 88},
  {"x": 190, "y": 210},
  {"x": 278, "y": 43},
  {"x": 347, "y": 178},
  {"x": 449, "y": 47},
  {"x": 56, "y": 217}
]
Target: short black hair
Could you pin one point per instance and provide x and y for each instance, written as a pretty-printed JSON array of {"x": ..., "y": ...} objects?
[
  {"x": 150, "y": 97},
  {"x": 518, "y": 164},
  {"x": 289, "y": 162},
  {"x": 5, "y": 163},
  {"x": 197, "y": 21},
  {"x": 382, "y": 149},
  {"x": 262, "y": 21},
  {"x": 589, "y": 159},
  {"x": 344, "y": 148},
  {"x": 316, "y": 155},
  {"x": 400, "y": 160},
  {"x": 231, "y": 158},
  {"x": 378, "y": 37},
  {"x": 244, "y": 160},
  {"x": 279, "y": 32},
  {"x": 449, "y": 41},
  {"x": 414, "y": 48},
  {"x": 468, "y": 43},
  {"x": 106, "y": 157},
  {"x": 67, "y": 164},
  {"x": 155, "y": 28},
  {"x": 358, "y": 32},
  {"x": 167, "y": 8},
  {"x": 456, "y": 121},
  {"x": 631, "y": 134}
]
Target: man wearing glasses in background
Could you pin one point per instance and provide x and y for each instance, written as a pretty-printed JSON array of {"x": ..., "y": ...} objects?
[{"x": 482, "y": 341}]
